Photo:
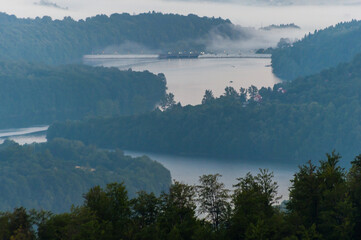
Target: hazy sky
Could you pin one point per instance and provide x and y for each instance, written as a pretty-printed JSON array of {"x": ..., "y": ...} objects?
[{"x": 308, "y": 17}]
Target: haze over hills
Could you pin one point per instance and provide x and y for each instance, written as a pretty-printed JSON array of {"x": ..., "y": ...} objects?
[
  {"x": 66, "y": 41},
  {"x": 280, "y": 127}
]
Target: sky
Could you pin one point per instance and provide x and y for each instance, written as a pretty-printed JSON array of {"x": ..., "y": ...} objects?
[{"x": 308, "y": 17}]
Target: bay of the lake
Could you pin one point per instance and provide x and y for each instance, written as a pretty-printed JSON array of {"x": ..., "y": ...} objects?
[{"x": 188, "y": 79}]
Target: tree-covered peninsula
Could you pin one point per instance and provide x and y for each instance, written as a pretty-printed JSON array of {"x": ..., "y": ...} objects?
[
  {"x": 40, "y": 94},
  {"x": 295, "y": 120},
  {"x": 66, "y": 41},
  {"x": 54, "y": 175},
  {"x": 318, "y": 51}
]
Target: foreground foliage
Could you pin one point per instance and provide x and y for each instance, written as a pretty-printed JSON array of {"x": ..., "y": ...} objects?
[
  {"x": 293, "y": 121},
  {"x": 54, "y": 175},
  {"x": 324, "y": 204}
]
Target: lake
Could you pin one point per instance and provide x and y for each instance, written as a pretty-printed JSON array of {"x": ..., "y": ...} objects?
[{"x": 188, "y": 79}]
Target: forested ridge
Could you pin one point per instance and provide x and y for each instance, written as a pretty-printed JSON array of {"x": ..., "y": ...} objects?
[
  {"x": 66, "y": 41},
  {"x": 293, "y": 121},
  {"x": 324, "y": 204},
  {"x": 318, "y": 51},
  {"x": 40, "y": 94},
  {"x": 54, "y": 175}
]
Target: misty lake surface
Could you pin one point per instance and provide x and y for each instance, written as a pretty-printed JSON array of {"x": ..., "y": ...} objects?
[
  {"x": 183, "y": 169},
  {"x": 188, "y": 79}
]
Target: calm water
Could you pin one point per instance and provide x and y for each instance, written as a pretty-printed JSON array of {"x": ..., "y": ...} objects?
[
  {"x": 187, "y": 79},
  {"x": 188, "y": 169}
]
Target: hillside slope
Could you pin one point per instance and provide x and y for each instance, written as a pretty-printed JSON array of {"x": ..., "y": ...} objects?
[{"x": 318, "y": 51}]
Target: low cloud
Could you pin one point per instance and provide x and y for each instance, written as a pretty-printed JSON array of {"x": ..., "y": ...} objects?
[
  {"x": 280, "y": 2},
  {"x": 248, "y": 39},
  {"x": 47, "y": 3}
]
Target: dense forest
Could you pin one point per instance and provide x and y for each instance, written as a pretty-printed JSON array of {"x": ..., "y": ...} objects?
[
  {"x": 66, "y": 41},
  {"x": 40, "y": 94},
  {"x": 324, "y": 204},
  {"x": 293, "y": 121},
  {"x": 54, "y": 175},
  {"x": 318, "y": 51}
]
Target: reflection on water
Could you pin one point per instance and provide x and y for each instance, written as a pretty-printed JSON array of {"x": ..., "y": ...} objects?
[
  {"x": 189, "y": 78},
  {"x": 188, "y": 169}
]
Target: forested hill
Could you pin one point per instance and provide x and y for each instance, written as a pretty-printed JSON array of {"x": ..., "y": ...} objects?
[
  {"x": 318, "y": 51},
  {"x": 295, "y": 121},
  {"x": 67, "y": 40},
  {"x": 40, "y": 94},
  {"x": 54, "y": 175}
]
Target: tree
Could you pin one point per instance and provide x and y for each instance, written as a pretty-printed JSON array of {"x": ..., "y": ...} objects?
[
  {"x": 336, "y": 210},
  {"x": 252, "y": 91},
  {"x": 167, "y": 102},
  {"x": 21, "y": 225},
  {"x": 80, "y": 223},
  {"x": 111, "y": 205},
  {"x": 253, "y": 201},
  {"x": 230, "y": 92},
  {"x": 213, "y": 199},
  {"x": 319, "y": 196},
  {"x": 354, "y": 180},
  {"x": 145, "y": 212},
  {"x": 177, "y": 218},
  {"x": 305, "y": 195},
  {"x": 243, "y": 94},
  {"x": 208, "y": 97}
]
